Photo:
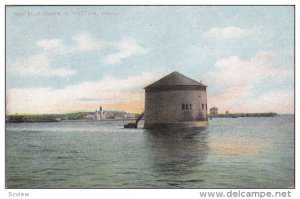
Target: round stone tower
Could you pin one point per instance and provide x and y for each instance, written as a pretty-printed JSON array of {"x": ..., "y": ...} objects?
[{"x": 175, "y": 101}]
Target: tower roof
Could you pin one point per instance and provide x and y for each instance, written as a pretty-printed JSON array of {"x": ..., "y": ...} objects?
[{"x": 175, "y": 79}]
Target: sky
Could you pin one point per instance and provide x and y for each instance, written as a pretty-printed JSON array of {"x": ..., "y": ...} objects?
[{"x": 62, "y": 59}]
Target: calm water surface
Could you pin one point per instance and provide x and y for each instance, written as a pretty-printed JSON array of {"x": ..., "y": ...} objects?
[{"x": 230, "y": 153}]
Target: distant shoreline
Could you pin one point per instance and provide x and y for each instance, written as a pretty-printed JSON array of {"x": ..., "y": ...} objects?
[
  {"x": 39, "y": 118},
  {"x": 236, "y": 115},
  {"x": 80, "y": 117},
  {"x": 83, "y": 120}
]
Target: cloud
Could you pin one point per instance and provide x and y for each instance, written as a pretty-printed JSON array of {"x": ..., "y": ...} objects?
[
  {"x": 280, "y": 100},
  {"x": 229, "y": 32},
  {"x": 234, "y": 82},
  {"x": 127, "y": 47},
  {"x": 49, "y": 44},
  {"x": 234, "y": 71},
  {"x": 37, "y": 65},
  {"x": 82, "y": 42},
  {"x": 85, "y": 42},
  {"x": 40, "y": 64},
  {"x": 112, "y": 93}
]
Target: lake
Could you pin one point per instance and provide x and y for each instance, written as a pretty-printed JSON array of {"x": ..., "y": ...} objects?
[{"x": 251, "y": 152}]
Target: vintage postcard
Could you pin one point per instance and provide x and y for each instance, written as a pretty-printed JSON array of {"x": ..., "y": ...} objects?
[{"x": 154, "y": 97}]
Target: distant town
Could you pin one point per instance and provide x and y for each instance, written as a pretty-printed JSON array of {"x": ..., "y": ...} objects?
[
  {"x": 106, "y": 115},
  {"x": 98, "y": 114}
]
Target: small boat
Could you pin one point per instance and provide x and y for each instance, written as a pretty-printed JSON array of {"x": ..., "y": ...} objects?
[
  {"x": 130, "y": 125},
  {"x": 133, "y": 125}
]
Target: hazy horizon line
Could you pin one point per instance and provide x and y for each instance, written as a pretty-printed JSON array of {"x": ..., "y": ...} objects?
[{"x": 82, "y": 111}]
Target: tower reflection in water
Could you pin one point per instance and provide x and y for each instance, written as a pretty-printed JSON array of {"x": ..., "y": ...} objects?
[{"x": 178, "y": 155}]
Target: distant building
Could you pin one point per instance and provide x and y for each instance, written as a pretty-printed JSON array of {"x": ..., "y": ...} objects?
[
  {"x": 90, "y": 116},
  {"x": 129, "y": 115},
  {"x": 109, "y": 115},
  {"x": 175, "y": 100},
  {"x": 213, "y": 111},
  {"x": 99, "y": 114}
]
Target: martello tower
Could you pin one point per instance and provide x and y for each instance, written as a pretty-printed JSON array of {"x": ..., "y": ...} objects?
[{"x": 175, "y": 101}]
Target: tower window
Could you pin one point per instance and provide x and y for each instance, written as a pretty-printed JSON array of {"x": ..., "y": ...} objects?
[
  {"x": 202, "y": 106},
  {"x": 186, "y": 107}
]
